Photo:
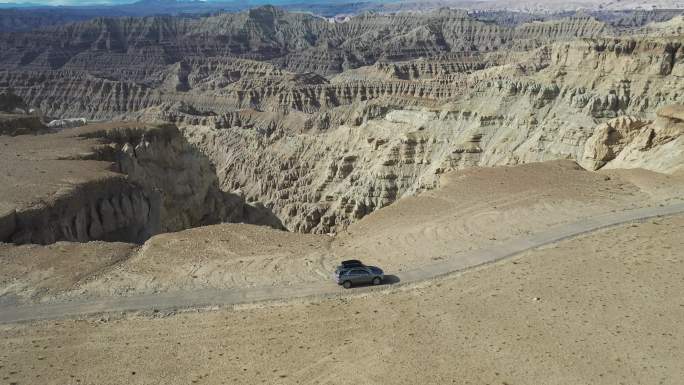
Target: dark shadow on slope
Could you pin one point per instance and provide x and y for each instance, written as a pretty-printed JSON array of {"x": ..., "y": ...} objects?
[
  {"x": 161, "y": 184},
  {"x": 258, "y": 214}
]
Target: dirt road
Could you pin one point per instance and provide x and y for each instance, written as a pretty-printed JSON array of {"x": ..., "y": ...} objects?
[{"x": 208, "y": 298}]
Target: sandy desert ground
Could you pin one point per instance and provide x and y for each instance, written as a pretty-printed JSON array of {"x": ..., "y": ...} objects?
[
  {"x": 36, "y": 271},
  {"x": 600, "y": 309},
  {"x": 41, "y": 167}
]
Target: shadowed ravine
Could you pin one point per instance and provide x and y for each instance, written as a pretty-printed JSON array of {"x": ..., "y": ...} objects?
[{"x": 160, "y": 183}]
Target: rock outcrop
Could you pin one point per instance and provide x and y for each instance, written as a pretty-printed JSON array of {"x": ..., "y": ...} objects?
[
  {"x": 608, "y": 140},
  {"x": 67, "y": 123},
  {"x": 156, "y": 183},
  {"x": 658, "y": 146},
  {"x": 12, "y": 124},
  {"x": 161, "y": 161}
]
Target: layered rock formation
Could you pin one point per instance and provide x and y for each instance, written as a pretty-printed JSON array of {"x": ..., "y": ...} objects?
[
  {"x": 318, "y": 124},
  {"x": 127, "y": 64},
  {"x": 323, "y": 177}
]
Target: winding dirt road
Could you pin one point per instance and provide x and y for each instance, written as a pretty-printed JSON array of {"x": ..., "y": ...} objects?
[{"x": 210, "y": 298}]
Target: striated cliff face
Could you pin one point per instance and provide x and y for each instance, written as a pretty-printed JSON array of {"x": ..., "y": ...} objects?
[
  {"x": 226, "y": 86},
  {"x": 321, "y": 182},
  {"x": 156, "y": 183},
  {"x": 317, "y": 124},
  {"x": 111, "y": 210},
  {"x": 323, "y": 177},
  {"x": 106, "y": 67},
  {"x": 229, "y": 87},
  {"x": 161, "y": 162}
]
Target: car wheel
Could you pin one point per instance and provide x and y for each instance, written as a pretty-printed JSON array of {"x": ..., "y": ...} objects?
[
  {"x": 377, "y": 281},
  {"x": 347, "y": 284}
]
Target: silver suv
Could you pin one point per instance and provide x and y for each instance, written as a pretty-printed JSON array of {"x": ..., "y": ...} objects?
[{"x": 353, "y": 272}]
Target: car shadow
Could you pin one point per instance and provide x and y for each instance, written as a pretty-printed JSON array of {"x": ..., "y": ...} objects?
[{"x": 390, "y": 279}]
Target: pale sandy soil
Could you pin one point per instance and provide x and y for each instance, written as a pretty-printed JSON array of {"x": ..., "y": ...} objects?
[
  {"x": 472, "y": 209},
  {"x": 220, "y": 256},
  {"x": 484, "y": 206},
  {"x": 605, "y": 308},
  {"x": 35, "y": 271},
  {"x": 37, "y": 168}
]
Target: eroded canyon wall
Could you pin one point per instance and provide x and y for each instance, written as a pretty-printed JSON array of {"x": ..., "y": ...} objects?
[
  {"x": 317, "y": 124},
  {"x": 158, "y": 183}
]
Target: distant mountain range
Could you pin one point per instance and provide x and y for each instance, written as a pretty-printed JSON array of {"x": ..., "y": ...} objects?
[
  {"x": 78, "y": 4},
  {"x": 27, "y": 16},
  {"x": 20, "y": 5}
]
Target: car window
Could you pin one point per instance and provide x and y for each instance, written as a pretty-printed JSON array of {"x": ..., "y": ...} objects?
[{"x": 359, "y": 272}]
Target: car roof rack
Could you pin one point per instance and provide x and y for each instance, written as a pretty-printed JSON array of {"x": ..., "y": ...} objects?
[{"x": 351, "y": 263}]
